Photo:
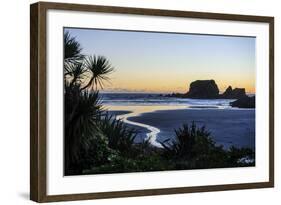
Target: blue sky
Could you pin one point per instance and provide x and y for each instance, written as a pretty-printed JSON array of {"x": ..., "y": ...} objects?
[{"x": 167, "y": 62}]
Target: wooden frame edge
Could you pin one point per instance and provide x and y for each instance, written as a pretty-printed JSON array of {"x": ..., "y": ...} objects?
[
  {"x": 37, "y": 102},
  {"x": 38, "y": 112},
  {"x": 153, "y": 12},
  {"x": 155, "y": 192},
  {"x": 271, "y": 101},
  {"x": 34, "y": 191}
]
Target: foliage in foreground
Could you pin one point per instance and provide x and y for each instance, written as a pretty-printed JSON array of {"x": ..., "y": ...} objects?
[
  {"x": 193, "y": 148},
  {"x": 202, "y": 153}
]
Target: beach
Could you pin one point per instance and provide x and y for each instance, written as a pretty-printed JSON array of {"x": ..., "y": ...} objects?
[
  {"x": 156, "y": 117},
  {"x": 227, "y": 126}
]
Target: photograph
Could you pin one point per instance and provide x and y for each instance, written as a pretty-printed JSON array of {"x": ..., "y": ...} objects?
[{"x": 141, "y": 101}]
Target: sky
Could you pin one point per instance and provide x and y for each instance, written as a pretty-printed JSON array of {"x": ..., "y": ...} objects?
[{"x": 169, "y": 62}]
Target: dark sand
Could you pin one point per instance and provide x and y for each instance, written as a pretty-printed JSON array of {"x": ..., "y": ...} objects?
[{"x": 228, "y": 127}]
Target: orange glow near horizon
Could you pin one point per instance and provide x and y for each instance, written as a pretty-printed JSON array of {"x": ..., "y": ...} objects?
[{"x": 177, "y": 82}]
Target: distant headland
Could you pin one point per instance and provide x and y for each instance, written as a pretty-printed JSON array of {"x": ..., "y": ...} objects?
[{"x": 208, "y": 89}]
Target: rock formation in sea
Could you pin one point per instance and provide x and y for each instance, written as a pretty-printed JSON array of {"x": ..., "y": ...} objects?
[
  {"x": 206, "y": 89},
  {"x": 244, "y": 102},
  {"x": 233, "y": 93}
]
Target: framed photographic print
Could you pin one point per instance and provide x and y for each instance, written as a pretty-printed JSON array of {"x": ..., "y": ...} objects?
[{"x": 134, "y": 102}]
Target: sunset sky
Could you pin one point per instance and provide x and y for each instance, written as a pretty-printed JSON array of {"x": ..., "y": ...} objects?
[{"x": 165, "y": 62}]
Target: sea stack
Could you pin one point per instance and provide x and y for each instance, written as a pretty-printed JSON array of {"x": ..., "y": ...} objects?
[
  {"x": 208, "y": 89},
  {"x": 236, "y": 93},
  {"x": 203, "y": 89}
]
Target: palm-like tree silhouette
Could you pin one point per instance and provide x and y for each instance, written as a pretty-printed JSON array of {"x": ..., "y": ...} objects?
[
  {"x": 81, "y": 112},
  {"x": 74, "y": 72},
  {"x": 72, "y": 48},
  {"x": 99, "y": 68},
  {"x": 82, "y": 108}
]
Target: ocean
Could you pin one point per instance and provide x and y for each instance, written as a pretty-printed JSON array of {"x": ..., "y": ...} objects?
[{"x": 152, "y": 99}]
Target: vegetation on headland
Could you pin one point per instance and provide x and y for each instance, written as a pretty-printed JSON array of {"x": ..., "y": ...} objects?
[{"x": 96, "y": 142}]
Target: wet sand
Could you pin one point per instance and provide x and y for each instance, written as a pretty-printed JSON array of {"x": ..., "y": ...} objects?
[{"x": 228, "y": 127}]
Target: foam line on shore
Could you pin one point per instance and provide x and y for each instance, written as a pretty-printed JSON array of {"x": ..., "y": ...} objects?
[
  {"x": 151, "y": 136},
  {"x": 137, "y": 111}
]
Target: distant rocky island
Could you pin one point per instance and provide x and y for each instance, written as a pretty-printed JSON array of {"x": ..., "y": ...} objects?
[{"x": 208, "y": 89}]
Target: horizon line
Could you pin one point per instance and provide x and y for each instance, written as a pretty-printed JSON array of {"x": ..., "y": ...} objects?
[{"x": 156, "y": 92}]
